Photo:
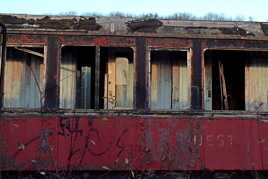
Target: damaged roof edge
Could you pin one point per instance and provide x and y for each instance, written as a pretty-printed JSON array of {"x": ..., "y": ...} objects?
[{"x": 123, "y": 26}]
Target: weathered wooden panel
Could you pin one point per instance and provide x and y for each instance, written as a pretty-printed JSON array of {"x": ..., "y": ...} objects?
[
  {"x": 86, "y": 87},
  {"x": 184, "y": 85},
  {"x": 169, "y": 83},
  {"x": 256, "y": 85},
  {"x": 154, "y": 84},
  {"x": 32, "y": 87},
  {"x": 164, "y": 84},
  {"x": 110, "y": 87},
  {"x": 130, "y": 83},
  {"x": 161, "y": 73},
  {"x": 24, "y": 80},
  {"x": 67, "y": 81},
  {"x": 208, "y": 85},
  {"x": 120, "y": 83},
  {"x": 176, "y": 84}
]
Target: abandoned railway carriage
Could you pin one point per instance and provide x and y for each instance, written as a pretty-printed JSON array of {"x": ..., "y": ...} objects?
[{"x": 124, "y": 96}]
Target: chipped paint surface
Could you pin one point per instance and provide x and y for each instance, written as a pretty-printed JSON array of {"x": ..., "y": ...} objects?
[
  {"x": 138, "y": 139},
  {"x": 138, "y": 143}
]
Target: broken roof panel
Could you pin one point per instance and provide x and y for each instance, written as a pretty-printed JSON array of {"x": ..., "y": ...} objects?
[{"x": 128, "y": 26}]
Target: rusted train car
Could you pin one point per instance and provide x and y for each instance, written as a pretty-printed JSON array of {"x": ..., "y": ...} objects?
[{"x": 98, "y": 94}]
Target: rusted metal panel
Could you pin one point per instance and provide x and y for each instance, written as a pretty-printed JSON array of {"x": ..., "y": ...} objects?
[
  {"x": 91, "y": 40},
  {"x": 262, "y": 139},
  {"x": 29, "y": 39},
  {"x": 235, "y": 44},
  {"x": 256, "y": 85},
  {"x": 23, "y": 86},
  {"x": 68, "y": 81},
  {"x": 33, "y": 145},
  {"x": 136, "y": 143},
  {"x": 174, "y": 43},
  {"x": 231, "y": 144},
  {"x": 132, "y": 27}
]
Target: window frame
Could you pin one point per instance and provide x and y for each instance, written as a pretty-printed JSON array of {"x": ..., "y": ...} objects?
[
  {"x": 245, "y": 111},
  {"x": 98, "y": 58},
  {"x": 44, "y": 81},
  {"x": 189, "y": 52}
]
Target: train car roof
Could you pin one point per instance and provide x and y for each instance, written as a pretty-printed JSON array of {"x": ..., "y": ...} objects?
[{"x": 125, "y": 26}]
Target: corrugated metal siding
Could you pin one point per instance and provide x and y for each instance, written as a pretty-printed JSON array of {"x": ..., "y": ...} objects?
[
  {"x": 169, "y": 83},
  {"x": 256, "y": 85},
  {"x": 24, "y": 76},
  {"x": 67, "y": 81}
]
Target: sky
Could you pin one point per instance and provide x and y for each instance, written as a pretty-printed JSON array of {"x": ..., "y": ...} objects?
[{"x": 257, "y": 9}]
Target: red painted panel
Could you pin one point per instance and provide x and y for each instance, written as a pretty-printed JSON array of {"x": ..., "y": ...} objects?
[
  {"x": 263, "y": 142},
  {"x": 169, "y": 144},
  {"x": 99, "y": 143},
  {"x": 230, "y": 144},
  {"x": 29, "y": 143},
  {"x": 133, "y": 142}
]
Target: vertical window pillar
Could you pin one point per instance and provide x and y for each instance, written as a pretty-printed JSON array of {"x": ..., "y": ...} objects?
[
  {"x": 2, "y": 62},
  {"x": 51, "y": 88},
  {"x": 141, "y": 101},
  {"x": 97, "y": 78},
  {"x": 196, "y": 85}
]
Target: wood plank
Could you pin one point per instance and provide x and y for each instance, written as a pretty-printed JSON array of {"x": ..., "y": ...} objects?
[
  {"x": 223, "y": 87},
  {"x": 184, "y": 86},
  {"x": 164, "y": 84},
  {"x": 256, "y": 89},
  {"x": 208, "y": 85},
  {"x": 13, "y": 83},
  {"x": 37, "y": 73},
  {"x": 176, "y": 84},
  {"x": 111, "y": 82},
  {"x": 130, "y": 83},
  {"x": 68, "y": 82},
  {"x": 86, "y": 87},
  {"x": 106, "y": 91},
  {"x": 97, "y": 78},
  {"x": 248, "y": 89},
  {"x": 121, "y": 83},
  {"x": 154, "y": 84},
  {"x": 30, "y": 52}
]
